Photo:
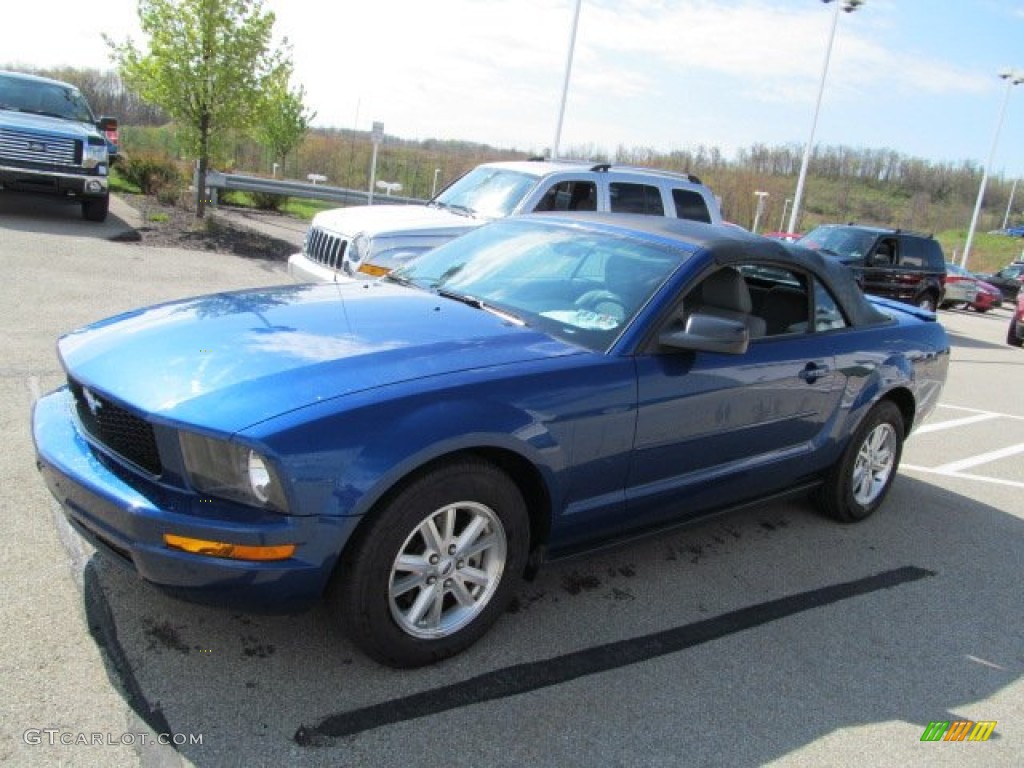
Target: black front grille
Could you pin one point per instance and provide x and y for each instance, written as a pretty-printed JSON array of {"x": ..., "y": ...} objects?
[
  {"x": 116, "y": 428},
  {"x": 325, "y": 248}
]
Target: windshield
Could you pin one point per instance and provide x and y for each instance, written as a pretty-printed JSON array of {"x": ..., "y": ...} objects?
[
  {"x": 581, "y": 285},
  {"x": 847, "y": 243},
  {"x": 492, "y": 193},
  {"x": 42, "y": 98}
]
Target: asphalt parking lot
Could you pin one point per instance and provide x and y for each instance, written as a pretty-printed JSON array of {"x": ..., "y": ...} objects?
[{"x": 769, "y": 636}]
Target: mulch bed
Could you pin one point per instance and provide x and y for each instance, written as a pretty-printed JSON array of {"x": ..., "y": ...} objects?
[{"x": 170, "y": 226}]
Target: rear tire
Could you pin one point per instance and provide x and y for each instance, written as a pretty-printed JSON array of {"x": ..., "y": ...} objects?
[
  {"x": 95, "y": 209},
  {"x": 927, "y": 302},
  {"x": 859, "y": 482},
  {"x": 435, "y": 567}
]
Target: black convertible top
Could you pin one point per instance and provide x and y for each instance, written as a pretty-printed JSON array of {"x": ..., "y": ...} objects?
[{"x": 726, "y": 245}]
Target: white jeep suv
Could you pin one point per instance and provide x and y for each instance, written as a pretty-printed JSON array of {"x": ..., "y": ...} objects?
[{"x": 372, "y": 240}]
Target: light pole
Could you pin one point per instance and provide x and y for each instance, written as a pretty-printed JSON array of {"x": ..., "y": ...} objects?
[
  {"x": 565, "y": 84},
  {"x": 433, "y": 188},
  {"x": 849, "y": 6},
  {"x": 1012, "y": 78},
  {"x": 1009, "y": 204},
  {"x": 757, "y": 211}
]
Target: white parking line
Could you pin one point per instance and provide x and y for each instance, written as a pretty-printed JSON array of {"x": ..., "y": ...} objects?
[
  {"x": 955, "y": 469},
  {"x": 955, "y": 423},
  {"x": 982, "y": 458},
  {"x": 962, "y": 475}
]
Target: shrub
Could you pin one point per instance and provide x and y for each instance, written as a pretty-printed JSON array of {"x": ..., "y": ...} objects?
[
  {"x": 153, "y": 174},
  {"x": 267, "y": 201}
]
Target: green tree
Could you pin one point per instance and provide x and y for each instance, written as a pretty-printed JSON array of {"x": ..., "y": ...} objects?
[
  {"x": 284, "y": 119},
  {"x": 208, "y": 65}
]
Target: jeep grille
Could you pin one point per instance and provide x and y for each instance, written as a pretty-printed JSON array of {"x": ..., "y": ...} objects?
[{"x": 325, "y": 248}]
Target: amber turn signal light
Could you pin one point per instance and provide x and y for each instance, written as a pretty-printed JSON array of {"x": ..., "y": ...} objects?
[{"x": 229, "y": 551}]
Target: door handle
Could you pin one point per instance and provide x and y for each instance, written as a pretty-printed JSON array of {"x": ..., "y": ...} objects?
[{"x": 813, "y": 371}]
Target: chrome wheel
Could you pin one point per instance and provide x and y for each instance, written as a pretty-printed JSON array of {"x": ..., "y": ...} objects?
[
  {"x": 874, "y": 464},
  {"x": 447, "y": 570}
]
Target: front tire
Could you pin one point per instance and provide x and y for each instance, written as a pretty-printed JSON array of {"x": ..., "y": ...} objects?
[
  {"x": 859, "y": 482},
  {"x": 95, "y": 209},
  {"x": 435, "y": 567},
  {"x": 927, "y": 302}
]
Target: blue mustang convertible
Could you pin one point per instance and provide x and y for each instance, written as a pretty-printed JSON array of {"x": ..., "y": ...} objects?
[{"x": 413, "y": 447}]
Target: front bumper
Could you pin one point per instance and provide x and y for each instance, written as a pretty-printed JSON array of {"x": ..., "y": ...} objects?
[
  {"x": 125, "y": 515},
  {"x": 26, "y": 179}
]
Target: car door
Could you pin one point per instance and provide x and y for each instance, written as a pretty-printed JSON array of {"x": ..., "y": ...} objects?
[
  {"x": 715, "y": 429},
  {"x": 880, "y": 275}
]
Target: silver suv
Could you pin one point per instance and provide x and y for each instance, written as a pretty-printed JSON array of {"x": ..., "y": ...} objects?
[{"x": 373, "y": 240}]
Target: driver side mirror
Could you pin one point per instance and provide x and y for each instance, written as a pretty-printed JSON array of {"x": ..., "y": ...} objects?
[{"x": 708, "y": 333}]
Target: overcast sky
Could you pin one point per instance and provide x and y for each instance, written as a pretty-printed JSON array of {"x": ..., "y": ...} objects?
[{"x": 916, "y": 76}]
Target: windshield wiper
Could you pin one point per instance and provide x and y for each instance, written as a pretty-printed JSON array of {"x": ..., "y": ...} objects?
[
  {"x": 462, "y": 210},
  {"x": 476, "y": 303},
  {"x": 391, "y": 277}
]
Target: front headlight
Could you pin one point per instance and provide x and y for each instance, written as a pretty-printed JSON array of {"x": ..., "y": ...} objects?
[
  {"x": 231, "y": 471},
  {"x": 95, "y": 154}
]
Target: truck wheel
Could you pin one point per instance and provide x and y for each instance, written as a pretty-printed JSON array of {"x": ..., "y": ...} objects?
[
  {"x": 96, "y": 208},
  {"x": 435, "y": 567},
  {"x": 859, "y": 482}
]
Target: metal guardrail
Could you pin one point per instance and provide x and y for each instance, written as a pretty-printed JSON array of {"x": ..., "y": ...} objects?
[{"x": 216, "y": 180}]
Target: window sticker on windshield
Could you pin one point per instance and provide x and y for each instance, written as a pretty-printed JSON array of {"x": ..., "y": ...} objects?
[{"x": 584, "y": 319}]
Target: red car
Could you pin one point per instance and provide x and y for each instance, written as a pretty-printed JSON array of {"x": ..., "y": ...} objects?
[
  {"x": 988, "y": 297},
  {"x": 1015, "y": 334}
]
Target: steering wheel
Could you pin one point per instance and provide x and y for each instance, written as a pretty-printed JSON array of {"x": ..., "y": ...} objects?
[{"x": 602, "y": 302}]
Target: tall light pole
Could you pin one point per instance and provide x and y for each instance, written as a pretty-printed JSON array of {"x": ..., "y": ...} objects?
[
  {"x": 1012, "y": 78},
  {"x": 1009, "y": 203},
  {"x": 565, "y": 84},
  {"x": 849, "y": 6}
]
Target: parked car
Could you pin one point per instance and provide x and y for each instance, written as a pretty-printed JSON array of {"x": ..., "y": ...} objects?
[
  {"x": 1015, "y": 333},
  {"x": 895, "y": 263},
  {"x": 961, "y": 287},
  {"x": 416, "y": 445},
  {"x": 988, "y": 297},
  {"x": 52, "y": 144},
  {"x": 1008, "y": 280},
  {"x": 374, "y": 239}
]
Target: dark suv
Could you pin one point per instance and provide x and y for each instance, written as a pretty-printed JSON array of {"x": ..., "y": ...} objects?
[{"x": 894, "y": 263}]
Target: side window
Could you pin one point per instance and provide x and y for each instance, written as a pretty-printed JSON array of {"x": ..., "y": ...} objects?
[
  {"x": 690, "y": 205},
  {"x": 569, "y": 196},
  {"x": 911, "y": 252},
  {"x": 635, "y": 198},
  {"x": 827, "y": 315},
  {"x": 885, "y": 254}
]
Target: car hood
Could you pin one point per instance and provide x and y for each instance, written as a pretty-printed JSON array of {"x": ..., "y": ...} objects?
[
  {"x": 383, "y": 220},
  {"x": 45, "y": 124},
  {"x": 227, "y": 361}
]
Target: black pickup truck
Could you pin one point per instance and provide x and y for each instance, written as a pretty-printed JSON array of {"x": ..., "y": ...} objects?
[{"x": 51, "y": 143}]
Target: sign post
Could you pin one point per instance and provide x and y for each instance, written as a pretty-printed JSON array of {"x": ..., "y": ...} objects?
[{"x": 376, "y": 136}]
